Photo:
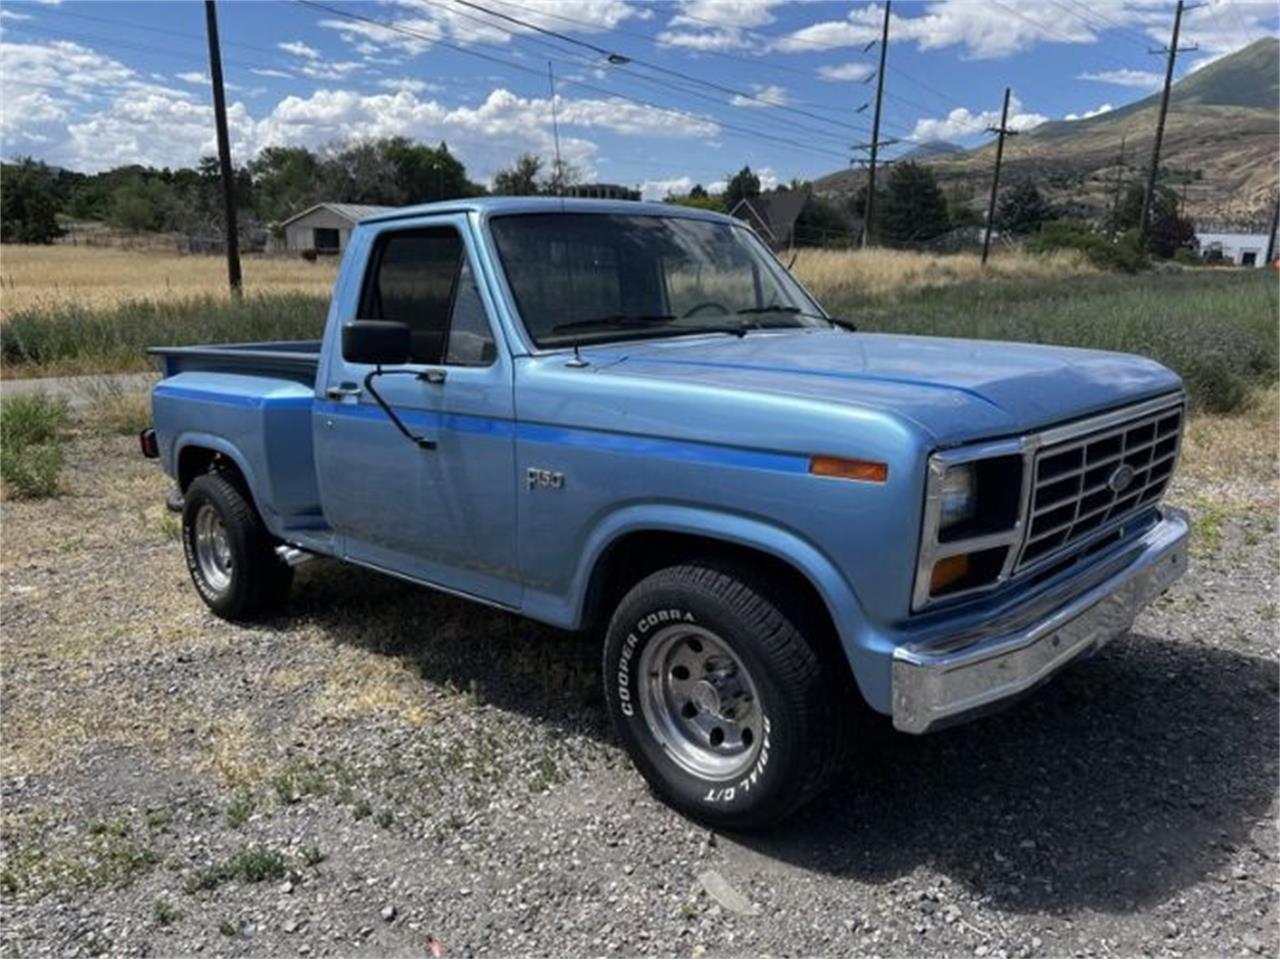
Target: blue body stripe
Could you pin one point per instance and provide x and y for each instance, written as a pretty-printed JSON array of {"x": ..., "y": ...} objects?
[{"x": 624, "y": 443}]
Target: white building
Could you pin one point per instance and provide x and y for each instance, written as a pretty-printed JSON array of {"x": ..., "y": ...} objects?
[
  {"x": 324, "y": 228},
  {"x": 1243, "y": 246}
]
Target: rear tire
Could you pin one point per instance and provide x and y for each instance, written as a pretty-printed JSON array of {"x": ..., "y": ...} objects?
[
  {"x": 230, "y": 554},
  {"x": 722, "y": 697}
]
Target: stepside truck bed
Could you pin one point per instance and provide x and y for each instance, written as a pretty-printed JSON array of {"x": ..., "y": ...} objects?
[{"x": 251, "y": 403}]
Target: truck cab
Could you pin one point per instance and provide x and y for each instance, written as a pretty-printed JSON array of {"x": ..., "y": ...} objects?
[{"x": 630, "y": 419}]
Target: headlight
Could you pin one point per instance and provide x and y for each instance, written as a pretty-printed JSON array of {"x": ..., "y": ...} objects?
[{"x": 958, "y": 501}]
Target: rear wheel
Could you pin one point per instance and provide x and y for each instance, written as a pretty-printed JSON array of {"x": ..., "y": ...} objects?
[
  {"x": 230, "y": 555},
  {"x": 721, "y": 696}
]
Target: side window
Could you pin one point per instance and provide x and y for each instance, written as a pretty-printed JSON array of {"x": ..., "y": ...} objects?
[{"x": 422, "y": 278}]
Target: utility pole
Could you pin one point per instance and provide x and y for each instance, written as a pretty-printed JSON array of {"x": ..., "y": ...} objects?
[
  {"x": 1004, "y": 131},
  {"x": 555, "y": 129},
  {"x": 232, "y": 238},
  {"x": 875, "y": 131},
  {"x": 1121, "y": 170},
  {"x": 1172, "y": 51},
  {"x": 1271, "y": 237}
]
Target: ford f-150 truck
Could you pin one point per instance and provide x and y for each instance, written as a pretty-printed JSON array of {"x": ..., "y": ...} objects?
[{"x": 630, "y": 419}]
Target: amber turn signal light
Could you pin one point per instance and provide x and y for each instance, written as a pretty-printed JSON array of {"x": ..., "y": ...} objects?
[
  {"x": 868, "y": 471},
  {"x": 947, "y": 571}
]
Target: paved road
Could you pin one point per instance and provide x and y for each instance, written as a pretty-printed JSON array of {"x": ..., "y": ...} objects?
[{"x": 79, "y": 391}]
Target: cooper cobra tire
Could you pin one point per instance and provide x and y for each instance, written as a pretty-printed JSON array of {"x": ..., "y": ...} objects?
[
  {"x": 229, "y": 553},
  {"x": 723, "y": 702}
]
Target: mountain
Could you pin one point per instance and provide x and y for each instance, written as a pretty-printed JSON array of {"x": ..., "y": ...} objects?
[
  {"x": 1219, "y": 149},
  {"x": 931, "y": 149}
]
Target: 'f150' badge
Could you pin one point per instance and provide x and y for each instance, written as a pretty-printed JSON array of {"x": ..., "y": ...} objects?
[{"x": 539, "y": 479}]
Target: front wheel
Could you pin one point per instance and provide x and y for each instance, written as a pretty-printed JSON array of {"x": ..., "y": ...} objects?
[
  {"x": 720, "y": 697},
  {"x": 229, "y": 553}
]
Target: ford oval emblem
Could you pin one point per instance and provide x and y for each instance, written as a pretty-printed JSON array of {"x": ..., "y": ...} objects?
[{"x": 1121, "y": 478}]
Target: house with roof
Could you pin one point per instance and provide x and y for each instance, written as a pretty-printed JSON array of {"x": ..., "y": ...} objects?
[
  {"x": 1245, "y": 245},
  {"x": 324, "y": 228},
  {"x": 773, "y": 215}
]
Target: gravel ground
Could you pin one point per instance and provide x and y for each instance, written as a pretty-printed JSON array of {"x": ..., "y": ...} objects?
[{"x": 385, "y": 771}]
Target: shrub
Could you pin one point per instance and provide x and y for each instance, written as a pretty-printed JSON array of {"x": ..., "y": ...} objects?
[
  {"x": 31, "y": 454},
  {"x": 1125, "y": 254}
]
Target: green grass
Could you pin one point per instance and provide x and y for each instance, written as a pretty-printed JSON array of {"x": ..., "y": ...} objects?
[
  {"x": 1217, "y": 329},
  {"x": 32, "y": 429},
  {"x": 68, "y": 339},
  {"x": 251, "y": 865}
]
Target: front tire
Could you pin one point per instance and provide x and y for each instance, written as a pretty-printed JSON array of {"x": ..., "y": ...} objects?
[
  {"x": 230, "y": 554},
  {"x": 721, "y": 696}
]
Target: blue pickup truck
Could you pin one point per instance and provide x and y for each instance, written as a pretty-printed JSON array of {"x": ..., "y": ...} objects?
[{"x": 630, "y": 419}]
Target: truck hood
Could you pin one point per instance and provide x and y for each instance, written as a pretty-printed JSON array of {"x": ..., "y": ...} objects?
[{"x": 954, "y": 390}]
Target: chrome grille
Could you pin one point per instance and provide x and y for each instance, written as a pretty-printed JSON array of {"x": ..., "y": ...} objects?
[{"x": 1079, "y": 485}]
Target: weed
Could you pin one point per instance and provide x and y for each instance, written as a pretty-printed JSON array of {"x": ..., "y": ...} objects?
[
  {"x": 312, "y": 856},
  {"x": 165, "y": 913},
  {"x": 31, "y": 443},
  {"x": 241, "y": 808},
  {"x": 252, "y": 865},
  {"x": 229, "y": 928}
]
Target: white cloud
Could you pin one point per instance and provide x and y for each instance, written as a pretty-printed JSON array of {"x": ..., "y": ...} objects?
[
  {"x": 412, "y": 26},
  {"x": 762, "y": 97},
  {"x": 705, "y": 39},
  {"x": 1142, "y": 79},
  {"x": 1095, "y": 112},
  {"x": 845, "y": 71},
  {"x": 300, "y": 49},
  {"x": 11, "y": 15},
  {"x": 409, "y": 85},
  {"x": 963, "y": 122},
  {"x": 661, "y": 189},
  {"x": 985, "y": 31},
  {"x": 193, "y": 76},
  {"x": 268, "y": 72}
]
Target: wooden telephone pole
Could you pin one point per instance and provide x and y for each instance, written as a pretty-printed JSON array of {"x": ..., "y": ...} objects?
[
  {"x": 232, "y": 237},
  {"x": 870, "y": 210},
  {"x": 1004, "y": 131},
  {"x": 1172, "y": 50}
]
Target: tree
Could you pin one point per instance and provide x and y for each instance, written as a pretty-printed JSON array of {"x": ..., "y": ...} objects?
[
  {"x": 821, "y": 223},
  {"x": 1168, "y": 230},
  {"x": 522, "y": 180},
  {"x": 28, "y": 204},
  {"x": 914, "y": 208},
  {"x": 743, "y": 185},
  {"x": 563, "y": 175},
  {"x": 701, "y": 201},
  {"x": 136, "y": 206},
  {"x": 699, "y": 192},
  {"x": 1022, "y": 209}
]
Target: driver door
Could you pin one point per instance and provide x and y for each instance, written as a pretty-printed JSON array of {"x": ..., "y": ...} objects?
[{"x": 444, "y": 516}]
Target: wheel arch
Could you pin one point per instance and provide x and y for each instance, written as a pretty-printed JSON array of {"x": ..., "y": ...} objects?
[
  {"x": 196, "y": 454},
  {"x": 637, "y": 542}
]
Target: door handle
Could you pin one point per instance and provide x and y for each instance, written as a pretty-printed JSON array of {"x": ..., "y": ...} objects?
[
  {"x": 342, "y": 391},
  {"x": 433, "y": 376}
]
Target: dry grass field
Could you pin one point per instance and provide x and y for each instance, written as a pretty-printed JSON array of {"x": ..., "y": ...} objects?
[
  {"x": 880, "y": 272},
  {"x": 34, "y": 277}
]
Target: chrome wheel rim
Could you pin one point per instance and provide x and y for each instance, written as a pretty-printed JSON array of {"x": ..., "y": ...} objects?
[
  {"x": 700, "y": 702},
  {"x": 213, "y": 548}
]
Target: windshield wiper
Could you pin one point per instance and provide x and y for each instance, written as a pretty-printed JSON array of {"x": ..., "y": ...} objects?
[
  {"x": 612, "y": 320},
  {"x": 745, "y": 311}
]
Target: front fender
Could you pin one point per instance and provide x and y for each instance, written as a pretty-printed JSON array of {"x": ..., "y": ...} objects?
[{"x": 868, "y": 654}]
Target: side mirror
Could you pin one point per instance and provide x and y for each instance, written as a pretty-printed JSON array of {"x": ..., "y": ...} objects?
[{"x": 376, "y": 341}]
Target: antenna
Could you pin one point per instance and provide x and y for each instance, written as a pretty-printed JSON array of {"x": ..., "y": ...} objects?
[{"x": 555, "y": 131}]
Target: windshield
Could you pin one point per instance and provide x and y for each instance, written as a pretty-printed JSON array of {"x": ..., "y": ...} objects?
[{"x": 594, "y": 277}]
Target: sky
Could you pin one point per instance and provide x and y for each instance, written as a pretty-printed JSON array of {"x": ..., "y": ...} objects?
[{"x": 654, "y": 95}]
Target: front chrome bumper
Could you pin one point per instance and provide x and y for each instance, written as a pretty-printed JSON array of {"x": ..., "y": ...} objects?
[{"x": 943, "y": 681}]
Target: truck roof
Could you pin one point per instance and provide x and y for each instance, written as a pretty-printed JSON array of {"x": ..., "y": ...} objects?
[{"x": 497, "y": 206}]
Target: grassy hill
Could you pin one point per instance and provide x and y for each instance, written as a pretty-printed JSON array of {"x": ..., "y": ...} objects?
[{"x": 1219, "y": 146}]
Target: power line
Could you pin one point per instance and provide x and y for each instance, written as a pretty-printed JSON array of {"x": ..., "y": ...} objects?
[
  {"x": 668, "y": 84},
  {"x": 508, "y": 64},
  {"x": 1088, "y": 16},
  {"x": 622, "y": 60}
]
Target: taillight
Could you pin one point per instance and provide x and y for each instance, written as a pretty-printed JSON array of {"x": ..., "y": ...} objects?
[{"x": 147, "y": 441}]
